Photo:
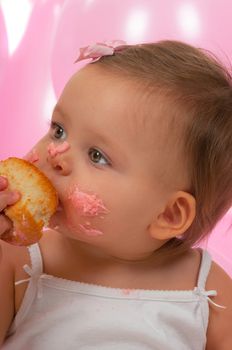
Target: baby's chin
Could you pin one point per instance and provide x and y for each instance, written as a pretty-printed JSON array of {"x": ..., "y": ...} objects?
[{"x": 73, "y": 226}]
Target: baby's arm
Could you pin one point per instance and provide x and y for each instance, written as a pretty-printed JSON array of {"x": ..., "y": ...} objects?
[
  {"x": 219, "y": 334},
  {"x": 6, "y": 264},
  {"x": 6, "y": 290}
]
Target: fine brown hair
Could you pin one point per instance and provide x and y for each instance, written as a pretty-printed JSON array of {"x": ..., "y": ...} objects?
[{"x": 201, "y": 89}]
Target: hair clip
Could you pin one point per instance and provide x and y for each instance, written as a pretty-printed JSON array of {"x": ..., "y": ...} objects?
[{"x": 97, "y": 50}]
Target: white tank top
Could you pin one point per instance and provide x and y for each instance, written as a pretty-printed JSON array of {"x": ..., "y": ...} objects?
[{"x": 58, "y": 314}]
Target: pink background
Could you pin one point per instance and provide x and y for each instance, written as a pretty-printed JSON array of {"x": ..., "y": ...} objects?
[{"x": 39, "y": 41}]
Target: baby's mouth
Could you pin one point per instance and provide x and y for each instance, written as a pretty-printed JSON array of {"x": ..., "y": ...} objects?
[
  {"x": 53, "y": 220},
  {"x": 59, "y": 206}
]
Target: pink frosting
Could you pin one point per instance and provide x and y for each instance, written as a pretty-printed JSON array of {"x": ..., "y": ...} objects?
[
  {"x": 89, "y": 205},
  {"x": 85, "y": 228},
  {"x": 53, "y": 149},
  {"x": 86, "y": 204},
  {"x": 126, "y": 291},
  {"x": 90, "y": 231}
]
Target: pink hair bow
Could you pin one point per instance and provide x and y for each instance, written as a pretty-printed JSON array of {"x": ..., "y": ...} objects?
[{"x": 96, "y": 51}]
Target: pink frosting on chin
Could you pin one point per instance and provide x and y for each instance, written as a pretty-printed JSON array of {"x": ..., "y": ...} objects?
[
  {"x": 86, "y": 204},
  {"x": 53, "y": 149}
]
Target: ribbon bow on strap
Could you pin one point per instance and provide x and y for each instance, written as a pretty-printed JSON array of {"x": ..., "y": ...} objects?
[{"x": 97, "y": 50}]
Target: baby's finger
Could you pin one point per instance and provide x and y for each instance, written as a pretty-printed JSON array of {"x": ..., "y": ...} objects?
[
  {"x": 5, "y": 224},
  {"x": 3, "y": 183},
  {"x": 8, "y": 198}
]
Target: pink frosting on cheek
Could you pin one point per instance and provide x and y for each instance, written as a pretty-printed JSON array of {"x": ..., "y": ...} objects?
[
  {"x": 53, "y": 149},
  {"x": 86, "y": 204}
]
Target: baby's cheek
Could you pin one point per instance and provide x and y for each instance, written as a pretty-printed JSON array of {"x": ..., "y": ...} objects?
[
  {"x": 79, "y": 226},
  {"x": 87, "y": 229},
  {"x": 85, "y": 205}
]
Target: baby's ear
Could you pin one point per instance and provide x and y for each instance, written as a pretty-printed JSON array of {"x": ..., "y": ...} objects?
[{"x": 176, "y": 218}]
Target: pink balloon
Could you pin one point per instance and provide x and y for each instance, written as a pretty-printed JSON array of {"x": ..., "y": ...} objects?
[
  {"x": 3, "y": 48},
  {"x": 27, "y": 84}
]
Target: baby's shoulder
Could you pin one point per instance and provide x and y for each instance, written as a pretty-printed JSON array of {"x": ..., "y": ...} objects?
[
  {"x": 13, "y": 257},
  {"x": 218, "y": 278},
  {"x": 220, "y": 281},
  {"x": 220, "y": 319}
]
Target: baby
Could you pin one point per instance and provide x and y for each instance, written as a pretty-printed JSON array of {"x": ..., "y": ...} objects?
[{"x": 139, "y": 151}]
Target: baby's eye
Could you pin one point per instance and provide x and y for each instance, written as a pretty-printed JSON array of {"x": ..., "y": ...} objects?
[
  {"x": 97, "y": 157},
  {"x": 57, "y": 131}
]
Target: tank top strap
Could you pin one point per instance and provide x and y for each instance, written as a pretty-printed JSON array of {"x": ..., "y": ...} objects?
[
  {"x": 36, "y": 269},
  {"x": 36, "y": 259},
  {"x": 206, "y": 262}
]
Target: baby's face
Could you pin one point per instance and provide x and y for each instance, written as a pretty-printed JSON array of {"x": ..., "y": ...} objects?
[{"x": 106, "y": 160}]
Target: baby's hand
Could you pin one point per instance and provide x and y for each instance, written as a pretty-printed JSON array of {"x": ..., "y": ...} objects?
[{"x": 6, "y": 198}]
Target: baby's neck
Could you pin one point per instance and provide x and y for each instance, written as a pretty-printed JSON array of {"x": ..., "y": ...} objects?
[
  {"x": 94, "y": 254},
  {"x": 83, "y": 263}
]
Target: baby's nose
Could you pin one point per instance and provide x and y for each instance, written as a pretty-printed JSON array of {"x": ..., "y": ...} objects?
[
  {"x": 57, "y": 157},
  {"x": 60, "y": 165}
]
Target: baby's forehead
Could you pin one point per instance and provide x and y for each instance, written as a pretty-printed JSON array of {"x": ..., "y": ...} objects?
[
  {"x": 137, "y": 107},
  {"x": 154, "y": 114}
]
